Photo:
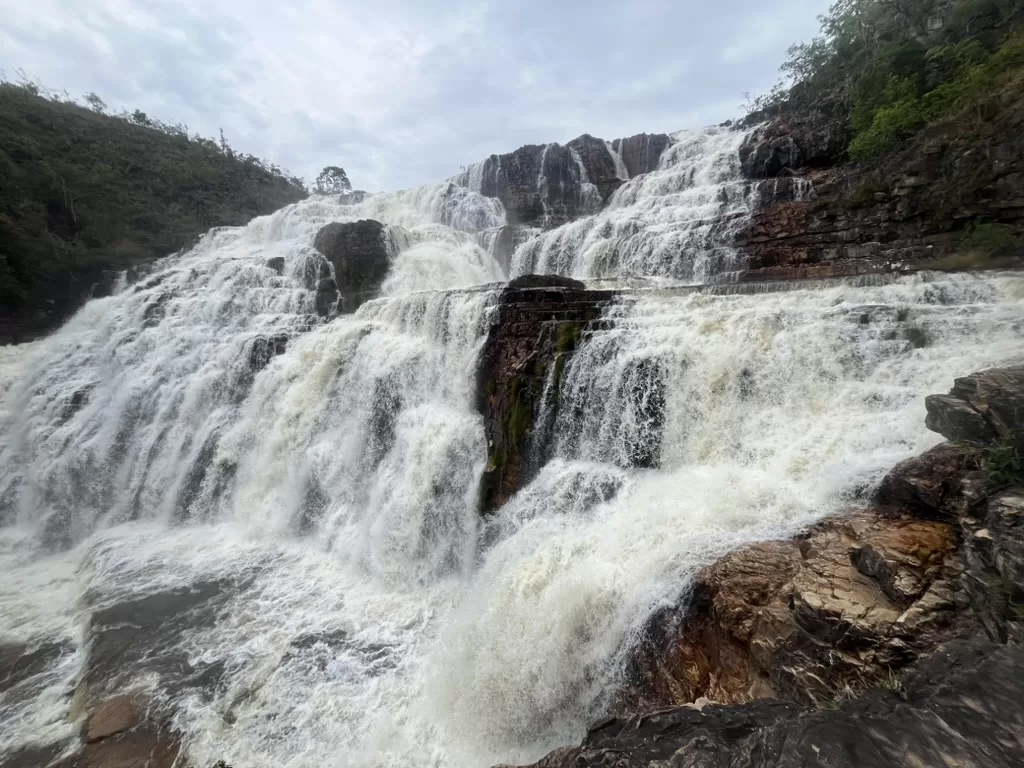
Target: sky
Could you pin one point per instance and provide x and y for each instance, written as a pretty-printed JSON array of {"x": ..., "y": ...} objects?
[{"x": 404, "y": 93}]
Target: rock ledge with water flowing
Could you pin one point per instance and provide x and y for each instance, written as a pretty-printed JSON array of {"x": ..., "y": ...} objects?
[{"x": 886, "y": 628}]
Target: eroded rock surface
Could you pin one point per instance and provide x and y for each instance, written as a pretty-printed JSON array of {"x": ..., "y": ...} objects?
[
  {"x": 962, "y": 708},
  {"x": 358, "y": 251},
  {"x": 822, "y": 216},
  {"x": 550, "y": 184},
  {"x": 805, "y": 620},
  {"x": 537, "y": 325}
]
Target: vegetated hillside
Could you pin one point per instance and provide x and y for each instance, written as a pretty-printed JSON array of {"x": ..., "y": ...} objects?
[
  {"x": 82, "y": 192},
  {"x": 887, "y": 68},
  {"x": 907, "y": 117}
]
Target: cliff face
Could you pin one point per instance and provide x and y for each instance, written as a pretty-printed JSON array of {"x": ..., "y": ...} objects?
[
  {"x": 545, "y": 185},
  {"x": 951, "y": 199},
  {"x": 84, "y": 194}
]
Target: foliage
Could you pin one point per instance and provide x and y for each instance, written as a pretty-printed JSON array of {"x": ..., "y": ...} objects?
[
  {"x": 991, "y": 239},
  {"x": 82, "y": 192},
  {"x": 1002, "y": 464},
  {"x": 892, "y": 66},
  {"x": 332, "y": 181}
]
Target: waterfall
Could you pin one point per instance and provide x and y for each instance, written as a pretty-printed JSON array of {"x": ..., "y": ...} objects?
[
  {"x": 675, "y": 222},
  {"x": 203, "y": 425}
]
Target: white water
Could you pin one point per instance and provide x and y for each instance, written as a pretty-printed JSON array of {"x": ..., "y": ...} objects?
[
  {"x": 339, "y": 483},
  {"x": 675, "y": 222}
]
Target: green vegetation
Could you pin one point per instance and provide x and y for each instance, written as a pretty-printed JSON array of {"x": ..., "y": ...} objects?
[
  {"x": 82, "y": 192},
  {"x": 1002, "y": 464},
  {"x": 332, "y": 181},
  {"x": 892, "y": 66}
]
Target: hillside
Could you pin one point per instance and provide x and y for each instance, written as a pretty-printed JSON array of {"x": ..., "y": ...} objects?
[{"x": 82, "y": 193}]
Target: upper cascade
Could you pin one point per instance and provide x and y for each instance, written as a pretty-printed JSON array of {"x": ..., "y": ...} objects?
[{"x": 648, "y": 206}]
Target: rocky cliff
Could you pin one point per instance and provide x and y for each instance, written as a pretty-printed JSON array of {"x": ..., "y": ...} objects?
[
  {"x": 952, "y": 198},
  {"x": 545, "y": 185},
  {"x": 875, "y": 638}
]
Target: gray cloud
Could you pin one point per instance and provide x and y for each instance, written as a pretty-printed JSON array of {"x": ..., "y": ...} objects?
[{"x": 402, "y": 93}]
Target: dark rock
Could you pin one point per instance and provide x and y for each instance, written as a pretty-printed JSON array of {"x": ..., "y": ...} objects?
[
  {"x": 263, "y": 349},
  {"x": 542, "y": 281},
  {"x": 819, "y": 216},
  {"x": 326, "y": 297},
  {"x": 961, "y": 708},
  {"x": 984, "y": 407},
  {"x": 359, "y": 253},
  {"x": 550, "y": 184},
  {"x": 537, "y": 325},
  {"x": 994, "y": 554},
  {"x": 642, "y": 153},
  {"x": 794, "y": 142},
  {"x": 143, "y": 635},
  {"x": 277, "y": 264},
  {"x": 19, "y": 663},
  {"x": 929, "y": 485}
]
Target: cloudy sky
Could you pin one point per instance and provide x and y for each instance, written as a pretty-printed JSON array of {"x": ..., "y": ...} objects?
[{"x": 401, "y": 93}]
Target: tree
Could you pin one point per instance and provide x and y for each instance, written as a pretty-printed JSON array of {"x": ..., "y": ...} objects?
[
  {"x": 332, "y": 181},
  {"x": 96, "y": 104}
]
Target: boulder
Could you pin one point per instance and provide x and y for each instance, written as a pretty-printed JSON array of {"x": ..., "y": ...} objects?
[
  {"x": 930, "y": 485},
  {"x": 358, "y": 251},
  {"x": 985, "y": 407}
]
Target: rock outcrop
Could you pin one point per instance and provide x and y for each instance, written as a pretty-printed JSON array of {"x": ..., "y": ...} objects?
[
  {"x": 962, "y": 708},
  {"x": 805, "y": 620},
  {"x": 848, "y": 623},
  {"x": 537, "y": 325},
  {"x": 549, "y": 184},
  {"x": 359, "y": 253},
  {"x": 936, "y": 204}
]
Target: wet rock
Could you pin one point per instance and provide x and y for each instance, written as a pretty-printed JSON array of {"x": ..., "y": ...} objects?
[
  {"x": 19, "y": 663},
  {"x": 794, "y": 142},
  {"x": 550, "y": 184},
  {"x": 536, "y": 327},
  {"x": 143, "y": 636},
  {"x": 994, "y": 554},
  {"x": 819, "y": 216},
  {"x": 277, "y": 264},
  {"x": 929, "y": 485},
  {"x": 263, "y": 349},
  {"x": 984, "y": 407},
  {"x": 359, "y": 253},
  {"x": 959, "y": 709},
  {"x": 805, "y": 619},
  {"x": 326, "y": 297},
  {"x": 115, "y": 715}
]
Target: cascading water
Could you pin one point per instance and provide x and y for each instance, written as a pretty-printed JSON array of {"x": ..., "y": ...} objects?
[
  {"x": 204, "y": 426},
  {"x": 674, "y": 222}
]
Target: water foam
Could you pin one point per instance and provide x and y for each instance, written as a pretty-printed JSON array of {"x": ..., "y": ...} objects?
[{"x": 372, "y": 613}]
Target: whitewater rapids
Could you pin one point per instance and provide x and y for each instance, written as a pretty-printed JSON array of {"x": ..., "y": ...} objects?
[{"x": 335, "y": 489}]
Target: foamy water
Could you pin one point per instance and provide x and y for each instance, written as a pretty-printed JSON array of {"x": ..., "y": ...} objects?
[{"x": 375, "y": 619}]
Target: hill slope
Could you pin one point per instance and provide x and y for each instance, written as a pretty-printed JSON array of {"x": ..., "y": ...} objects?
[{"x": 83, "y": 192}]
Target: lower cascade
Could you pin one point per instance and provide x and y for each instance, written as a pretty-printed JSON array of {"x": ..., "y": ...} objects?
[{"x": 272, "y": 523}]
